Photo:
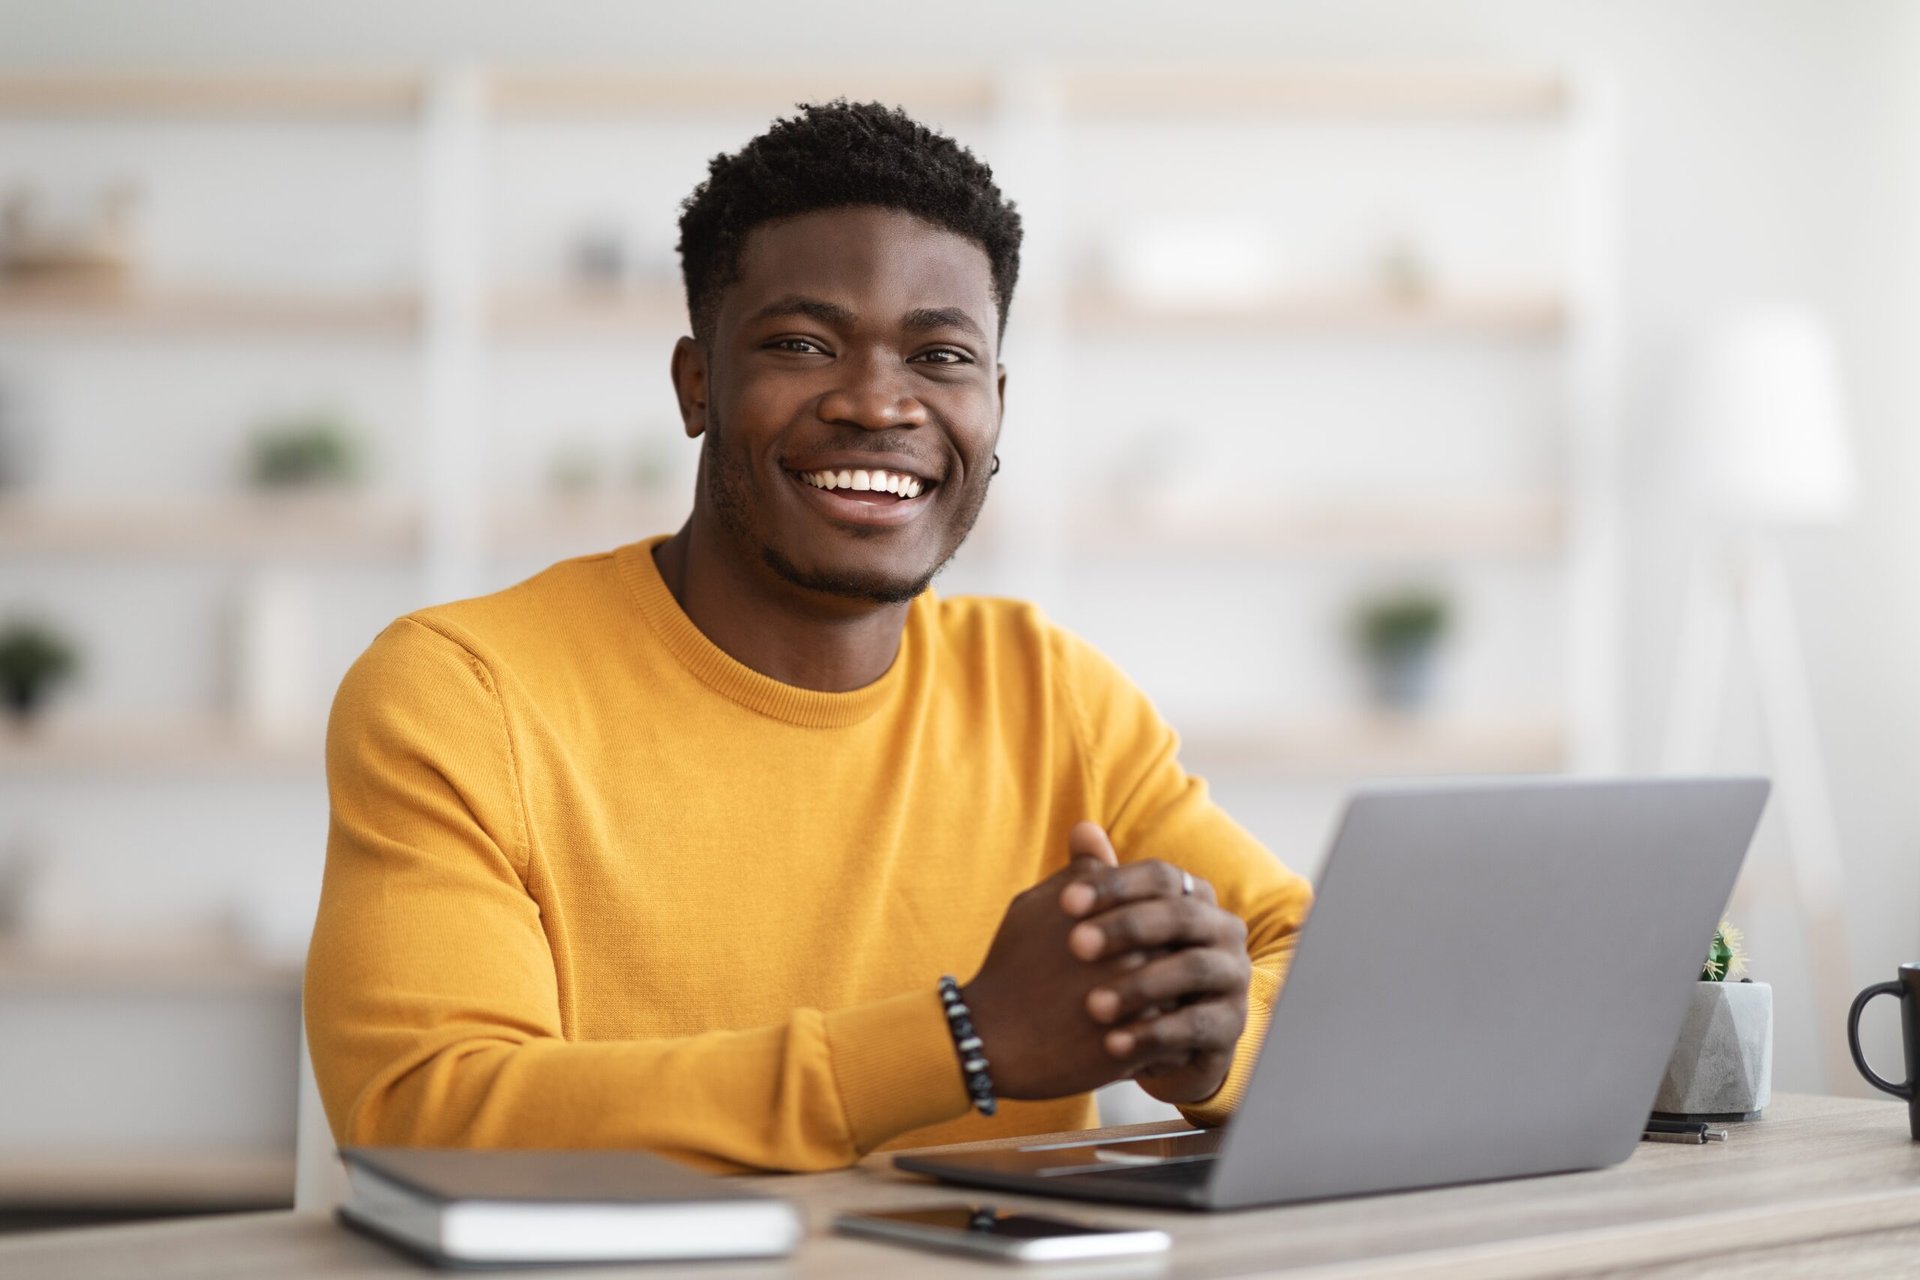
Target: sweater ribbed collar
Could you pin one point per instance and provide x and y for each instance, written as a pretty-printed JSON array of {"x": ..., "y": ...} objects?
[{"x": 739, "y": 683}]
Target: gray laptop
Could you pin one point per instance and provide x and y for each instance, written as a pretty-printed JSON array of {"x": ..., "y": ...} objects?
[{"x": 1490, "y": 984}]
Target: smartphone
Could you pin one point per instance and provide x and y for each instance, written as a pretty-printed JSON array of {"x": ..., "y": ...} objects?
[{"x": 984, "y": 1231}]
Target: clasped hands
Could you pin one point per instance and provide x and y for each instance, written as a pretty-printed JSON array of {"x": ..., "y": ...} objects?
[{"x": 1103, "y": 971}]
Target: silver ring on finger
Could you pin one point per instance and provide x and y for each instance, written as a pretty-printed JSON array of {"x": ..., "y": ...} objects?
[{"x": 1186, "y": 884}]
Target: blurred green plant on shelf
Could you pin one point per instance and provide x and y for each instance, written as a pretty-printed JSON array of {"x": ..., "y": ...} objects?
[
  {"x": 1398, "y": 634},
  {"x": 580, "y": 468},
  {"x": 304, "y": 451},
  {"x": 575, "y": 469},
  {"x": 35, "y": 659},
  {"x": 653, "y": 471}
]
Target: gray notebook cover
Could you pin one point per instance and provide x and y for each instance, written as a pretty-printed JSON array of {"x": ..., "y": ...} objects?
[{"x": 545, "y": 1177}]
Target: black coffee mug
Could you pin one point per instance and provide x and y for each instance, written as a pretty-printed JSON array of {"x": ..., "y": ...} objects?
[{"x": 1908, "y": 989}]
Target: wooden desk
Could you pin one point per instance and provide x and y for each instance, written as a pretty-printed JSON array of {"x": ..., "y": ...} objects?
[{"x": 1825, "y": 1186}]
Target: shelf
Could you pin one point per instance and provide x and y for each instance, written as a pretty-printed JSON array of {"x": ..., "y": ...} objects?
[
  {"x": 615, "y": 91},
  {"x": 1092, "y": 312},
  {"x": 590, "y": 522},
  {"x": 1379, "y": 745},
  {"x": 1098, "y": 311},
  {"x": 1509, "y": 528},
  {"x": 172, "y": 1179},
  {"x": 612, "y": 92},
  {"x": 178, "y": 968},
  {"x": 212, "y": 93},
  {"x": 158, "y": 747},
  {"x": 1439, "y": 94},
  {"x": 242, "y": 527},
  {"x": 571, "y": 313},
  {"x": 73, "y": 308}
]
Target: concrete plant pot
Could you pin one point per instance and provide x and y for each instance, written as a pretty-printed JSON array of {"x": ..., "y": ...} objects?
[{"x": 1722, "y": 1065}]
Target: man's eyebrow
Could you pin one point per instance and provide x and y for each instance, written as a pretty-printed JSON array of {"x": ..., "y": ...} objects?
[
  {"x": 942, "y": 318},
  {"x": 796, "y": 305}
]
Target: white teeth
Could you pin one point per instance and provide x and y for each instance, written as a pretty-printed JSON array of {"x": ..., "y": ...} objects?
[{"x": 904, "y": 486}]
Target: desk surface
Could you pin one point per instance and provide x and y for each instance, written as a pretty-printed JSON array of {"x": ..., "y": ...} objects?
[{"x": 1820, "y": 1185}]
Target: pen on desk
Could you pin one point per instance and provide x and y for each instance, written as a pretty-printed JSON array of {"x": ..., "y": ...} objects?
[{"x": 1688, "y": 1131}]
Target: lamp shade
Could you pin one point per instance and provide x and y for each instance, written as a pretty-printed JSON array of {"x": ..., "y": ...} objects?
[{"x": 1764, "y": 420}]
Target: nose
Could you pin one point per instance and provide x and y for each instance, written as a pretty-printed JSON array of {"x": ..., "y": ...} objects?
[{"x": 874, "y": 394}]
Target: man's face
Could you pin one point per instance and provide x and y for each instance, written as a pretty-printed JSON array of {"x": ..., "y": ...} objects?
[{"x": 856, "y": 350}]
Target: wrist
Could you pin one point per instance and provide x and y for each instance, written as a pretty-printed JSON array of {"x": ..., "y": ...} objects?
[{"x": 968, "y": 1047}]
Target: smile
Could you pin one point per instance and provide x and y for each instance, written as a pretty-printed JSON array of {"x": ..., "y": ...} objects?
[
  {"x": 898, "y": 483},
  {"x": 866, "y": 498}
]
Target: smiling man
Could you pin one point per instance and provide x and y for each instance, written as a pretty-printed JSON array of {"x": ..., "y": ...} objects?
[{"x": 686, "y": 846}]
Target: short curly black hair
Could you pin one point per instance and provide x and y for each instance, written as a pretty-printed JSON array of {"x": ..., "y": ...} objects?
[{"x": 832, "y": 155}]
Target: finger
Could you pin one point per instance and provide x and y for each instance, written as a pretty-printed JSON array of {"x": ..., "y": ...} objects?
[
  {"x": 1157, "y": 922},
  {"x": 1209, "y": 1026},
  {"x": 1211, "y": 1067},
  {"x": 1081, "y": 870},
  {"x": 1092, "y": 853},
  {"x": 1171, "y": 980},
  {"x": 1090, "y": 839},
  {"x": 1150, "y": 878}
]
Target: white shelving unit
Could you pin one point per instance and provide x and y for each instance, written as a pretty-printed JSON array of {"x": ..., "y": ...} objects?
[
  {"x": 449, "y": 532},
  {"x": 1561, "y": 528}
]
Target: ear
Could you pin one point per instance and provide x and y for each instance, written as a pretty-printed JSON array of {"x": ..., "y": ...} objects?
[
  {"x": 1000, "y": 391},
  {"x": 690, "y": 386}
]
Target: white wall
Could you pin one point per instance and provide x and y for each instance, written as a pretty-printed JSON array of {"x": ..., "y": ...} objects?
[{"x": 1770, "y": 150}]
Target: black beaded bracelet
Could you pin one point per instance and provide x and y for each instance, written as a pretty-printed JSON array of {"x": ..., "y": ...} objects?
[{"x": 973, "y": 1062}]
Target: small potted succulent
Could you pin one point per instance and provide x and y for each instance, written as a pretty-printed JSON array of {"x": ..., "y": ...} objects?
[
  {"x": 34, "y": 659},
  {"x": 1722, "y": 1064},
  {"x": 314, "y": 451},
  {"x": 1397, "y": 636}
]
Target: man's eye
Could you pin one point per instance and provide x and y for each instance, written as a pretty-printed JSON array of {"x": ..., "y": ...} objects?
[
  {"x": 944, "y": 355},
  {"x": 805, "y": 346}
]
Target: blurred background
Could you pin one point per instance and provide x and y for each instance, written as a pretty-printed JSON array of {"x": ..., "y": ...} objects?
[{"x": 1395, "y": 387}]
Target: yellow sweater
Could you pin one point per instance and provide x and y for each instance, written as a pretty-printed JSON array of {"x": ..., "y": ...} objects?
[{"x": 591, "y": 882}]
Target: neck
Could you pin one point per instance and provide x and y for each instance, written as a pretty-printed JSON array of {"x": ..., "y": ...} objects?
[{"x": 763, "y": 622}]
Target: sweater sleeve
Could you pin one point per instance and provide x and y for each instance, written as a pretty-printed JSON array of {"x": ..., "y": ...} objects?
[
  {"x": 1152, "y": 808},
  {"x": 432, "y": 1005}
]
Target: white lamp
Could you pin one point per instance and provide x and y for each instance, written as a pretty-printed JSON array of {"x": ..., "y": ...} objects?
[
  {"x": 1766, "y": 438},
  {"x": 1762, "y": 412}
]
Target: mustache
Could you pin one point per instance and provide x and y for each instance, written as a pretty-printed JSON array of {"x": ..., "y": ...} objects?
[
  {"x": 876, "y": 444},
  {"x": 855, "y": 440}
]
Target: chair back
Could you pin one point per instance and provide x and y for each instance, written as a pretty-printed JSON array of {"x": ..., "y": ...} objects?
[{"x": 319, "y": 1179}]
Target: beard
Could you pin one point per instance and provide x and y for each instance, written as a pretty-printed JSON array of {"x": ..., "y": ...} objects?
[{"x": 727, "y": 482}]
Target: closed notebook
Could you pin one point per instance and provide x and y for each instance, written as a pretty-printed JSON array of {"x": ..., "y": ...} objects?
[{"x": 479, "y": 1207}]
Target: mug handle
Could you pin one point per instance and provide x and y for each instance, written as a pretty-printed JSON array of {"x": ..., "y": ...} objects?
[{"x": 1853, "y": 1038}]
